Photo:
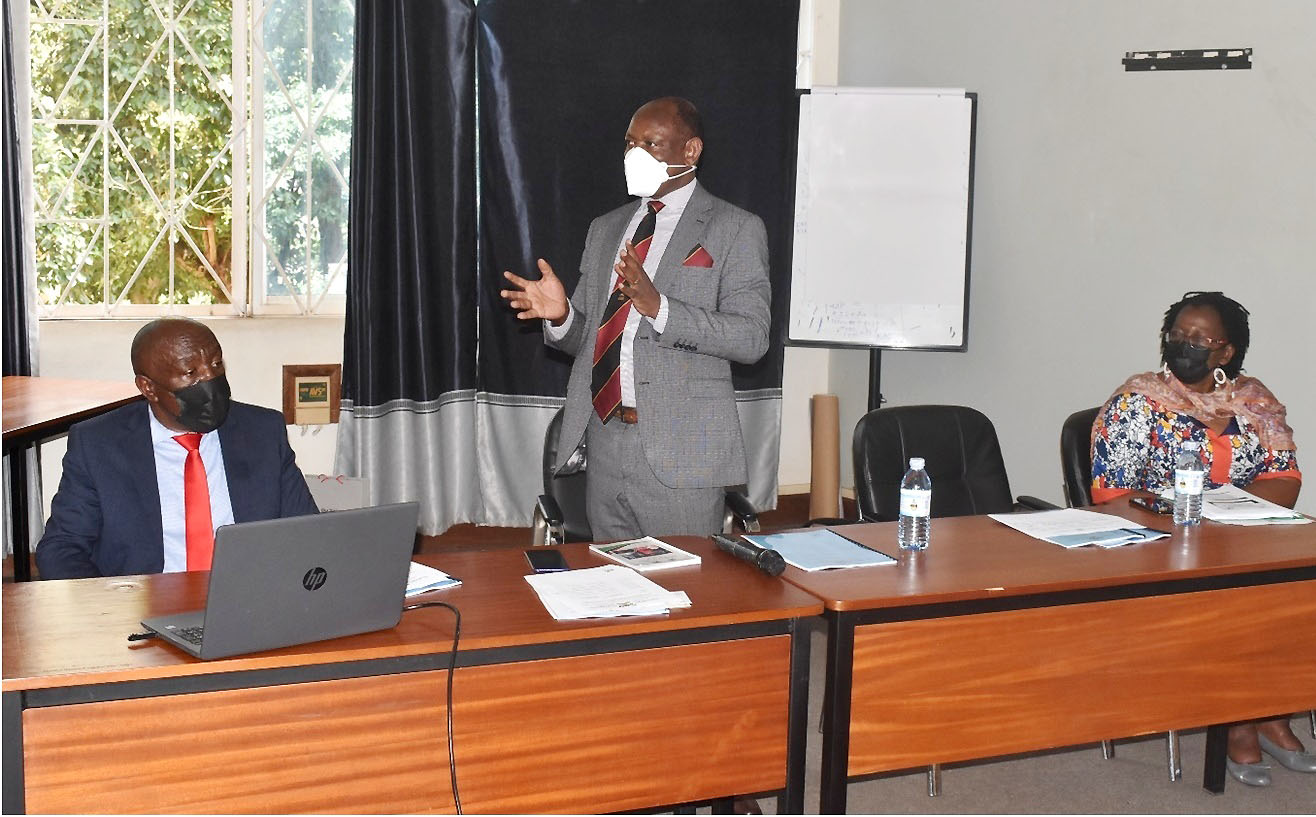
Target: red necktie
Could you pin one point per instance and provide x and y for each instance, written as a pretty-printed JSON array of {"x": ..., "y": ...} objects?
[
  {"x": 605, "y": 381},
  {"x": 196, "y": 505}
]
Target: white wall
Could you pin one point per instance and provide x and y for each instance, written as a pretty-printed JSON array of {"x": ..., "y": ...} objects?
[
  {"x": 255, "y": 350},
  {"x": 805, "y": 370},
  {"x": 1102, "y": 196}
]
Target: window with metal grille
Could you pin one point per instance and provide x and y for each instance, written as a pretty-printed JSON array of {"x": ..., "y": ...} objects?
[{"x": 190, "y": 156}]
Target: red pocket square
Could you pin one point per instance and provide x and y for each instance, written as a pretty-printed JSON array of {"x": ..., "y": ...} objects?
[{"x": 698, "y": 257}]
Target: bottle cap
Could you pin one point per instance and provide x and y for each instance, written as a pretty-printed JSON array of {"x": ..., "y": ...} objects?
[
  {"x": 1191, "y": 445},
  {"x": 916, "y": 462}
]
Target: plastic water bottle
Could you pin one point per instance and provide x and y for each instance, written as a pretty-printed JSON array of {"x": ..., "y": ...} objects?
[
  {"x": 1189, "y": 479},
  {"x": 915, "y": 507}
]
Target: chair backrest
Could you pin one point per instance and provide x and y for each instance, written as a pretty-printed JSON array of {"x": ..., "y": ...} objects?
[
  {"x": 1076, "y": 456},
  {"x": 959, "y": 445},
  {"x": 568, "y": 490}
]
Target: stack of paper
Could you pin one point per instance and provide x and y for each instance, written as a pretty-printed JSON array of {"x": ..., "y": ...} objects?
[
  {"x": 820, "y": 549},
  {"x": 423, "y": 578},
  {"x": 1071, "y": 528},
  {"x": 1234, "y": 506},
  {"x": 603, "y": 592}
]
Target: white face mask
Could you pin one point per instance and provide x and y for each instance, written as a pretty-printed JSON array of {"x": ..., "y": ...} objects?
[{"x": 645, "y": 174}]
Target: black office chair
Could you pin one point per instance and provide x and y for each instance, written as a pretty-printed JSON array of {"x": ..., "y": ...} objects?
[
  {"x": 962, "y": 456},
  {"x": 1076, "y": 456},
  {"x": 560, "y": 511}
]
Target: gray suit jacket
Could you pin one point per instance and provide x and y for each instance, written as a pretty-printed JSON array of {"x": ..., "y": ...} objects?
[{"x": 684, "y": 397}]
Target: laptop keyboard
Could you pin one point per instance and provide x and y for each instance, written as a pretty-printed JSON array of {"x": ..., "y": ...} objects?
[{"x": 191, "y": 634}]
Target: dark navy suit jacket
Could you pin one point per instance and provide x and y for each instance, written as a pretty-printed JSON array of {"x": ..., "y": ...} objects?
[{"x": 105, "y": 518}]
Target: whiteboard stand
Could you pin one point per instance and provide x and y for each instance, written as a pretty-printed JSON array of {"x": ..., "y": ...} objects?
[{"x": 875, "y": 397}]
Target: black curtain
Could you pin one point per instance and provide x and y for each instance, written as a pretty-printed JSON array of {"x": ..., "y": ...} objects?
[
  {"x": 411, "y": 321},
  {"x": 559, "y": 80},
  {"x": 17, "y": 352}
]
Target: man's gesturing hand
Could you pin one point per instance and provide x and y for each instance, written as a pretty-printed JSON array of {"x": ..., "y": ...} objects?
[
  {"x": 635, "y": 282},
  {"x": 544, "y": 298}
]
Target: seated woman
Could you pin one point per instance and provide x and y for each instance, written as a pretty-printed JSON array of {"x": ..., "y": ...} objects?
[{"x": 1200, "y": 395}]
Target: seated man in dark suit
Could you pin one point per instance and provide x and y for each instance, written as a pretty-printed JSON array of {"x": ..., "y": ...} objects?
[{"x": 145, "y": 486}]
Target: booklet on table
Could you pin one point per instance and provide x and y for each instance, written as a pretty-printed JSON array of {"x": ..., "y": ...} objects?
[
  {"x": 646, "y": 554},
  {"x": 820, "y": 549}
]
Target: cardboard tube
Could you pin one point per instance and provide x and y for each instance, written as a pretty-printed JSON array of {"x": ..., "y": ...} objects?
[{"x": 825, "y": 477}]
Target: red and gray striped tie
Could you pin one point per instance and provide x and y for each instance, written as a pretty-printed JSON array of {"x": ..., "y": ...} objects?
[{"x": 606, "y": 380}]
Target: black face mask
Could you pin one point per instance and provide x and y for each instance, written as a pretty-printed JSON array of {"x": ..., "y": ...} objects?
[
  {"x": 203, "y": 406},
  {"x": 1187, "y": 362}
]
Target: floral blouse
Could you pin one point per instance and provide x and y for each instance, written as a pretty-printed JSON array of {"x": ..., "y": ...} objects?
[{"x": 1135, "y": 443}]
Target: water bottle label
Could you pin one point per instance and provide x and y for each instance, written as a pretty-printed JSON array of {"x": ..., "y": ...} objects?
[
  {"x": 915, "y": 502},
  {"x": 1189, "y": 482}
]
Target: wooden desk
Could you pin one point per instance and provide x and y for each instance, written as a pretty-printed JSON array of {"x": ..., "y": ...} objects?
[
  {"x": 992, "y": 642},
  {"x": 586, "y": 716},
  {"x": 37, "y": 409}
]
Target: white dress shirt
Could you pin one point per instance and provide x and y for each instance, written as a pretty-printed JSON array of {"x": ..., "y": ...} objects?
[
  {"x": 169, "y": 459},
  {"x": 667, "y": 218}
]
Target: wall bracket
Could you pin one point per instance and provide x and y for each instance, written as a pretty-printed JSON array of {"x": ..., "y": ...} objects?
[{"x": 1200, "y": 59}]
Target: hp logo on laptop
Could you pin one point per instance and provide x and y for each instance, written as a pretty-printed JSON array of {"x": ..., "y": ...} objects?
[{"x": 315, "y": 578}]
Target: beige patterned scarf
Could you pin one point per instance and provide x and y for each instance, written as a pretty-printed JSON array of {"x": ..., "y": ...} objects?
[{"x": 1244, "y": 397}]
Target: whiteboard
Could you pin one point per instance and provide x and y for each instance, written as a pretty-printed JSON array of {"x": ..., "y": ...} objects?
[{"x": 883, "y": 195}]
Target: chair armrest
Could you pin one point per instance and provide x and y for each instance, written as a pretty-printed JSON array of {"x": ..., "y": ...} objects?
[
  {"x": 1032, "y": 503},
  {"x": 740, "y": 509},
  {"x": 548, "y": 527}
]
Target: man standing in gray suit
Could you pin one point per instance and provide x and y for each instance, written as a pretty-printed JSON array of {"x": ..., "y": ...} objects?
[{"x": 671, "y": 291}]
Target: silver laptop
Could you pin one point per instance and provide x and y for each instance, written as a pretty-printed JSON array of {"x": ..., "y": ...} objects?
[{"x": 291, "y": 581}]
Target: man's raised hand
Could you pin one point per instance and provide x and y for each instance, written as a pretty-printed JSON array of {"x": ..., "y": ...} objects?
[{"x": 543, "y": 299}]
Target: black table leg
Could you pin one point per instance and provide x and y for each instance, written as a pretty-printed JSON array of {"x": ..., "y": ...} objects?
[
  {"x": 18, "y": 512},
  {"x": 1217, "y": 747},
  {"x": 13, "y": 800},
  {"x": 836, "y": 715},
  {"x": 791, "y": 800}
]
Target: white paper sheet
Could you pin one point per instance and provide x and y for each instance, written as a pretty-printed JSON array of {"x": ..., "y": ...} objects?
[
  {"x": 1071, "y": 527},
  {"x": 423, "y": 578},
  {"x": 603, "y": 592},
  {"x": 1234, "y": 506}
]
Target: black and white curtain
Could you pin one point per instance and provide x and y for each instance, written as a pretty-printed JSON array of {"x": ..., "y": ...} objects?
[
  {"x": 557, "y": 83},
  {"x": 409, "y": 380},
  {"x": 19, "y": 297}
]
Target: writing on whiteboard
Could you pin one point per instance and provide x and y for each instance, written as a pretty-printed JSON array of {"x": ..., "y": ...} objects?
[{"x": 890, "y": 325}]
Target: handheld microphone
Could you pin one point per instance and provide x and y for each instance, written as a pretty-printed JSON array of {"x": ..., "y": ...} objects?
[{"x": 769, "y": 561}]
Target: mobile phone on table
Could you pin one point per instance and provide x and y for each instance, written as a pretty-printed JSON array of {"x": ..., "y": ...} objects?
[
  {"x": 1154, "y": 504},
  {"x": 546, "y": 561}
]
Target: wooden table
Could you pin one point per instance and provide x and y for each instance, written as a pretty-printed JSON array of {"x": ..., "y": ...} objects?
[
  {"x": 37, "y": 409},
  {"x": 587, "y": 716},
  {"x": 992, "y": 642}
]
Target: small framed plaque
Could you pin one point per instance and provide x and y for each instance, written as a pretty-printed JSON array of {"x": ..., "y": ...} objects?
[{"x": 311, "y": 393}]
